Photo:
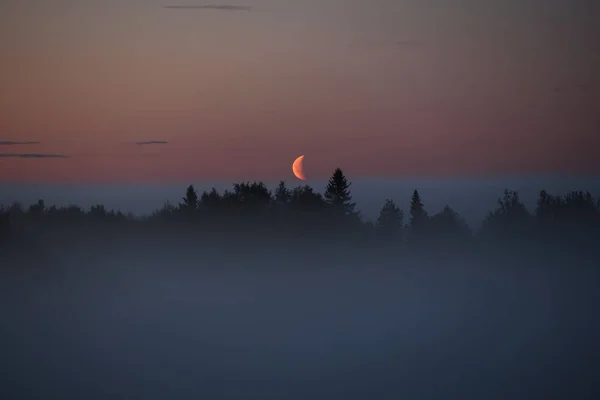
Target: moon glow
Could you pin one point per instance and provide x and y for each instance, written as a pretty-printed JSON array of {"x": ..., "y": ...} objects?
[{"x": 298, "y": 168}]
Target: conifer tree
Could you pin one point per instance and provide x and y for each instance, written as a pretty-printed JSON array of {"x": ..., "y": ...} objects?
[
  {"x": 282, "y": 194},
  {"x": 390, "y": 220},
  {"x": 211, "y": 199},
  {"x": 449, "y": 226},
  {"x": 190, "y": 201},
  {"x": 338, "y": 194},
  {"x": 510, "y": 221},
  {"x": 418, "y": 216}
]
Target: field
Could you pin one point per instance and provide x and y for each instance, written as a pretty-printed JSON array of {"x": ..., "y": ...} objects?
[{"x": 141, "y": 321}]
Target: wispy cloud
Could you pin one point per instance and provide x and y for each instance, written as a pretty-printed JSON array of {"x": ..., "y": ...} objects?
[
  {"x": 224, "y": 7},
  {"x": 152, "y": 142},
  {"x": 7, "y": 155},
  {"x": 12, "y": 143},
  {"x": 124, "y": 155}
]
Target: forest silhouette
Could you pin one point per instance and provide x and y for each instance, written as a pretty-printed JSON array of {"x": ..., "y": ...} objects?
[
  {"x": 249, "y": 213},
  {"x": 290, "y": 294}
]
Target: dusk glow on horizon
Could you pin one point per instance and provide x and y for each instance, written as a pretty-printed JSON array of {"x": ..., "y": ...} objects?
[{"x": 149, "y": 90}]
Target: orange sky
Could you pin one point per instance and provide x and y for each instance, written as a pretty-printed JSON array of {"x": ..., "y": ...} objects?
[{"x": 385, "y": 88}]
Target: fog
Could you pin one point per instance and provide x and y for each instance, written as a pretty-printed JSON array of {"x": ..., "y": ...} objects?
[{"x": 134, "y": 320}]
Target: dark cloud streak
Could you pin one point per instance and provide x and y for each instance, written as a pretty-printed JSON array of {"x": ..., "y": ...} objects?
[
  {"x": 152, "y": 142},
  {"x": 13, "y": 155},
  {"x": 13, "y": 143}
]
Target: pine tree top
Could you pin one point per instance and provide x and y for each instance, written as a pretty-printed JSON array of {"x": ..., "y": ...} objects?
[{"x": 338, "y": 192}]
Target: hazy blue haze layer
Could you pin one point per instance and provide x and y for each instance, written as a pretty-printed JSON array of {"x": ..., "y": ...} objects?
[{"x": 472, "y": 198}]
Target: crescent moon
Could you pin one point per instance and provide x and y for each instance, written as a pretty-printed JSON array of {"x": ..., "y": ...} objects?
[{"x": 298, "y": 168}]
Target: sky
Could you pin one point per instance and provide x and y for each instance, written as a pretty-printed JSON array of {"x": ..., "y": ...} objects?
[{"x": 381, "y": 88}]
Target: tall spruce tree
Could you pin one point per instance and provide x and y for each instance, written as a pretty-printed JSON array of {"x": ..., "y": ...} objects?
[
  {"x": 338, "y": 194},
  {"x": 418, "y": 216},
  {"x": 190, "y": 201},
  {"x": 417, "y": 211}
]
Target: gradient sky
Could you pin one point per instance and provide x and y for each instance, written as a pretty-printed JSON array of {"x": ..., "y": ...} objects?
[{"x": 380, "y": 87}]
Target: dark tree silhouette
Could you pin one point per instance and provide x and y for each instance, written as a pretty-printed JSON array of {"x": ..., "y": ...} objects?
[
  {"x": 249, "y": 210},
  {"x": 97, "y": 211},
  {"x": 449, "y": 227},
  {"x": 282, "y": 194},
  {"x": 190, "y": 201},
  {"x": 4, "y": 222},
  {"x": 211, "y": 199},
  {"x": 37, "y": 210},
  {"x": 509, "y": 222},
  {"x": 573, "y": 218},
  {"x": 282, "y": 205},
  {"x": 547, "y": 215},
  {"x": 418, "y": 218},
  {"x": 253, "y": 202},
  {"x": 306, "y": 197},
  {"x": 252, "y": 194},
  {"x": 304, "y": 200},
  {"x": 306, "y": 208},
  {"x": 16, "y": 217},
  {"x": 164, "y": 213},
  {"x": 547, "y": 207},
  {"x": 73, "y": 213},
  {"x": 580, "y": 208},
  {"x": 338, "y": 194},
  {"x": 390, "y": 221}
]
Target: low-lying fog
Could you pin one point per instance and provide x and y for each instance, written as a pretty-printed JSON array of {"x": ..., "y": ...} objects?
[{"x": 264, "y": 325}]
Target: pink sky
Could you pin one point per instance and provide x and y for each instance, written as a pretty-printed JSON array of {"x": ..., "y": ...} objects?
[{"x": 381, "y": 89}]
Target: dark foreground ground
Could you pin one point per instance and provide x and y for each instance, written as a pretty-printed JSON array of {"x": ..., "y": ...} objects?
[{"x": 182, "y": 321}]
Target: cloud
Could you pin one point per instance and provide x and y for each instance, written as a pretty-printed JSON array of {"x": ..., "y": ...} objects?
[
  {"x": 7, "y": 155},
  {"x": 152, "y": 142},
  {"x": 12, "y": 143},
  {"x": 127, "y": 155},
  {"x": 224, "y": 7}
]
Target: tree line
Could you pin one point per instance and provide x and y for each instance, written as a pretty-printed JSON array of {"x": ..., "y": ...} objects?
[{"x": 251, "y": 208}]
